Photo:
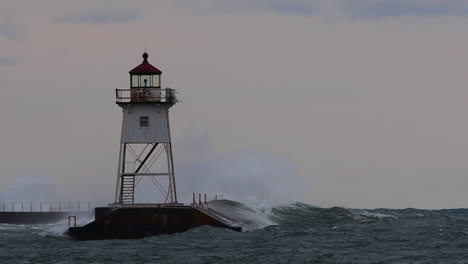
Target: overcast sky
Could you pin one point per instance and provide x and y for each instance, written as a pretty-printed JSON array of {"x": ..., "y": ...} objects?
[{"x": 357, "y": 103}]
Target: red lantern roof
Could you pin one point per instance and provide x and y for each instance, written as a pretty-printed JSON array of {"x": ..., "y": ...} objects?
[{"x": 145, "y": 68}]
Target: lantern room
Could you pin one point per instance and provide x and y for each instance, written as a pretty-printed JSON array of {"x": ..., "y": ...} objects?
[
  {"x": 145, "y": 75},
  {"x": 145, "y": 86}
]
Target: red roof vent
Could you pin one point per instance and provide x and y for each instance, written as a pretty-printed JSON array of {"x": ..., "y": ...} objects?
[{"x": 145, "y": 68}]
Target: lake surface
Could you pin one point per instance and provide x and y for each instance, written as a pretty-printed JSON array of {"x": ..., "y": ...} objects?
[{"x": 295, "y": 233}]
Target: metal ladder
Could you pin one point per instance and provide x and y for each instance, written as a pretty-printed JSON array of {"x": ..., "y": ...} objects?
[{"x": 128, "y": 189}]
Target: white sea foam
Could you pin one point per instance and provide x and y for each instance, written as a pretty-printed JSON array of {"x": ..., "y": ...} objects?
[
  {"x": 60, "y": 228},
  {"x": 250, "y": 217},
  {"x": 16, "y": 227},
  {"x": 360, "y": 214}
]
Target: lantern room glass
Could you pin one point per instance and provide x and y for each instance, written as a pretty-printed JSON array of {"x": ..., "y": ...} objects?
[
  {"x": 145, "y": 81},
  {"x": 135, "y": 81},
  {"x": 156, "y": 81},
  {"x": 141, "y": 81}
]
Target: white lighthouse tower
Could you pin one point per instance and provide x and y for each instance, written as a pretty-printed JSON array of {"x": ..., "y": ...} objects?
[
  {"x": 145, "y": 145},
  {"x": 146, "y": 157}
]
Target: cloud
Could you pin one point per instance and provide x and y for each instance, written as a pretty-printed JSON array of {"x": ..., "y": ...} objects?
[
  {"x": 11, "y": 31},
  {"x": 331, "y": 8},
  {"x": 9, "y": 61},
  {"x": 99, "y": 17},
  {"x": 397, "y": 8},
  {"x": 298, "y": 7}
]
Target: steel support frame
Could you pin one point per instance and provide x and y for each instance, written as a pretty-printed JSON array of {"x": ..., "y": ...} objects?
[{"x": 143, "y": 161}]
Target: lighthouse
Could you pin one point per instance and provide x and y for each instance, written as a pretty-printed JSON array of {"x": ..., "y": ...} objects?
[{"x": 145, "y": 155}]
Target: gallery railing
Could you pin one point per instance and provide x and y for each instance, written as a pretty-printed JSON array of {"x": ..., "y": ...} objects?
[{"x": 145, "y": 95}]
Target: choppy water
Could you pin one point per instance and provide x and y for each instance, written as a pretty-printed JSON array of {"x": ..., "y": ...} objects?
[{"x": 296, "y": 233}]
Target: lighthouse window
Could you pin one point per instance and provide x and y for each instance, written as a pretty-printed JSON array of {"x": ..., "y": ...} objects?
[
  {"x": 135, "y": 82},
  {"x": 156, "y": 82},
  {"x": 145, "y": 81},
  {"x": 144, "y": 121}
]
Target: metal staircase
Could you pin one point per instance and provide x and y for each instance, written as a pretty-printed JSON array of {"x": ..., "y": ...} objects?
[{"x": 128, "y": 189}]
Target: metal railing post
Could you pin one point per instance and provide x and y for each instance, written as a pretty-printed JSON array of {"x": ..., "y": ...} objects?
[
  {"x": 60, "y": 206},
  {"x": 69, "y": 220},
  {"x": 22, "y": 209}
]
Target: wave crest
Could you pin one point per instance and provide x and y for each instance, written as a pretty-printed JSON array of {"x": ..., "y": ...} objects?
[{"x": 257, "y": 216}]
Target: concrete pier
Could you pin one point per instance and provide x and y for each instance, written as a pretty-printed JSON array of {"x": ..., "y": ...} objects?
[
  {"x": 138, "y": 222},
  {"x": 31, "y": 213},
  {"x": 34, "y": 218}
]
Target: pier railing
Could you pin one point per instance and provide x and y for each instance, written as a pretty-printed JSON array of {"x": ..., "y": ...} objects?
[
  {"x": 145, "y": 95},
  {"x": 203, "y": 202},
  {"x": 50, "y": 206}
]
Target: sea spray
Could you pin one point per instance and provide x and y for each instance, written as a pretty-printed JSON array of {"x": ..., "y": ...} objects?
[
  {"x": 61, "y": 228},
  {"x": 248, "y": 217},
  {"x": 254, "y": 215},
  {"x": 242, "y": 176}
]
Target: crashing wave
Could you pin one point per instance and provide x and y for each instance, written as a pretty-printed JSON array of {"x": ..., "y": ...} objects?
[{"x": 258, "y": 216}]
